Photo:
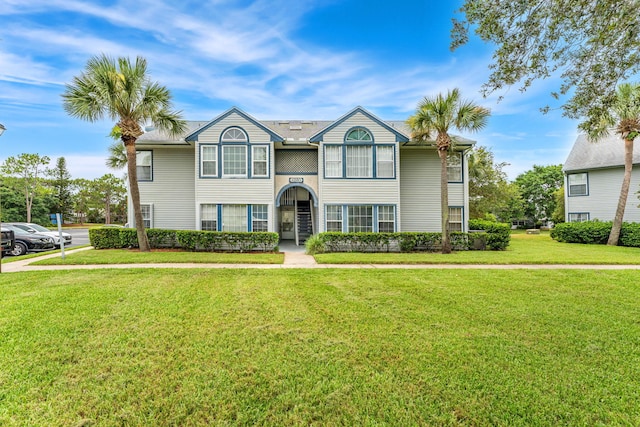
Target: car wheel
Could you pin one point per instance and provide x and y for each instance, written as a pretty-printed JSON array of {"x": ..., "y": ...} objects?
[{"x": 19, "y": 249}]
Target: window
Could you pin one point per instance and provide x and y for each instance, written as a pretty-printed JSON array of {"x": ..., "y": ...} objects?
[
  {"x": 384, "y": 160},
  {"x": 455, "y": 219},
  {"x": 209, "y": 217},
  {"x": 578, "y": 184},
  {"x": 147, "y": 215},
  {"x": 259, "y": 216},
  {"x": 234, "y": 217},
  {"x": 143, "y": 165},
  {"x": 234, "y": 135},
  {"x": 234, "y": 161},
  {"x": 386, "y": 219},
  {"x": 359, "y": 161},
  {"x": 209, "y": 160},
  {"x": 454, "y": 167},
  {"x": 360, "y": 219},
  {"x": 358, "y": 135},
  {"x": 334, "y": 218},
  {"x": 260, "y": 166},
  {"x": 579, "y": 217},
  {"x": 333, "y": 161}
]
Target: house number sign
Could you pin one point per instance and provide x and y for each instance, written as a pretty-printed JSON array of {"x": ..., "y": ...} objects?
[{"x": 296, "y": 180}]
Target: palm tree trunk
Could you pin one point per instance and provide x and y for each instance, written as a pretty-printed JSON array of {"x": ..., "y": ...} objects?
[
  {"x": 614, "y": 236},
  {"x": 143, "y": 241},
  {"x": 444, "y": 201}
]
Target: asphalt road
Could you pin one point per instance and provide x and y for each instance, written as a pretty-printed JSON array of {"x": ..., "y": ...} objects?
[{"x": 79, "y": 236}]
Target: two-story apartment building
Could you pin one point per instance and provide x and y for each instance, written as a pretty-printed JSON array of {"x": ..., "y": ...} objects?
[
  {"x": 593, "y": 176},
  {"x": 297, "y": 177}
]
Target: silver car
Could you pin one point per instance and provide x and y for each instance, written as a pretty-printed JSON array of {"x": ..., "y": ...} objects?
[{"x": 36, "y": 228}]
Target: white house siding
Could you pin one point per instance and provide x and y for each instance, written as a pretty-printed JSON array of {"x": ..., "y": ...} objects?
[
  {"x": 604, "y": 191},
  {"x": 213, "y": 133},
  {"x": 171, "y": 193},
  {"x": 420, "y": 190}
]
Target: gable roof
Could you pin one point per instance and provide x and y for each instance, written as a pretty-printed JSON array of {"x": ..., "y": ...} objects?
[
  {"x": 608, "y": 152},
  {"x": 400, "y": 137},
  {"x": 193, "y": 136}
]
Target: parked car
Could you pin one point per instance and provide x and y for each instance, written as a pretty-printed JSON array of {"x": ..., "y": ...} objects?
[
  {"x": 36, "y": 228},
  {"x": 8, "y": 241},
  {"x": 29, "y": 242}
]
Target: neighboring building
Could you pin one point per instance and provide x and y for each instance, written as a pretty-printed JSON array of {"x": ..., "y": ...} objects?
[
  {"x": 297, "y": 178},
  {"x": 593, "y": 177}
]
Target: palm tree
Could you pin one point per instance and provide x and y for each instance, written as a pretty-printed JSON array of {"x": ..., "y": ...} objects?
[
  {"x": 624, "y": 115},
  {"x": 117, "y": 155},
  {"x": 439, "y": 114},
  {"x": 122, "y": 91}
]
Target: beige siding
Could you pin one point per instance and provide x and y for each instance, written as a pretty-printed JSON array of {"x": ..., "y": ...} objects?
[
  {"x": 380, "y": 134},
  {"x": 420, "y": 190},
  {"x": 255, "y": 133},
  {"x": 604, "y": 191},
  {"x": 172, "y": 190}
]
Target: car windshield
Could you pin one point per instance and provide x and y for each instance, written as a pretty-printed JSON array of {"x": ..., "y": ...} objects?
[{"x": 39, "y": 227}]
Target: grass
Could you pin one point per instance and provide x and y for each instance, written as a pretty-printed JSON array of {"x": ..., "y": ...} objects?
[
  {"x": 39, "y": 254},
  {"x": 319, "y": 347},
  {"x": 524, "y": 249},
  {"x": 126, "y": 256}
]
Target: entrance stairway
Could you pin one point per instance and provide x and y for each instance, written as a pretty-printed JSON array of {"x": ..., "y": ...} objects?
[{"x": 305, "y": 228}]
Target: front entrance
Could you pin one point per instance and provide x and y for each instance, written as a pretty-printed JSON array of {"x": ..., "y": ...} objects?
[{"x": 297, "y": 221}]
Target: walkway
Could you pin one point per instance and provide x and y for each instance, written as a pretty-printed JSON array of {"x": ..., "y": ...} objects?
[{"x": 298, "y": 259}]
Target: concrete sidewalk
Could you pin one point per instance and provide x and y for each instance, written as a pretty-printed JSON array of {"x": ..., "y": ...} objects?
[{"x": 298, "y": 259}]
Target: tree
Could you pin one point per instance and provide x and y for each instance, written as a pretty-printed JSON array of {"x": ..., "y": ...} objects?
[
  {"x": 538, "y": 187},
  {"x": 438, "y": 115},
  {"x": 28, "y": 169},
  {"x": 558, "y": 215},
  {"x": 488, "y": 192},
  {"x": 82, "y": 198},
  {"x": 122, "y": 91},
  {"x": 624, "y": 115},
  {"x": 61, "y": 184},
  {"x": 109, "y": 191},
  {"x": 117, "y": 156},
  {"x": 592, "y": 45}
]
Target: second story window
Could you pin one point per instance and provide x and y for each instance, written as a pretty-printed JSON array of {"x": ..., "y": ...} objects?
[
  {"x": 234, "y": 160},
  {"x": 578, "y": 184},
  {"x": 359, "y": 157},
  {"x": 454, "y": 167},
  {"x": 144, "y": 169}
]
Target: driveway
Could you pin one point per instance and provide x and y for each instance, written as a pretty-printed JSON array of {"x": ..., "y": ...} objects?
[{"x": 79, "y": 236}]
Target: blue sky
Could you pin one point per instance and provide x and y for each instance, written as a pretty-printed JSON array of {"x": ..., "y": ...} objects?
[{"x": 275, "y": 59}]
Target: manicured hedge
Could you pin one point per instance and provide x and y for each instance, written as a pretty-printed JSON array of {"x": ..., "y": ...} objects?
[
  {"x": 498, "y": 234},
  {"x": 192, "y": 240},
  {"x": 596, "y": 232},
  {"x": 398, "y": 242}
]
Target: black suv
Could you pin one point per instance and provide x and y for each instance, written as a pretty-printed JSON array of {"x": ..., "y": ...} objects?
[{"x": 29, "y": 242}]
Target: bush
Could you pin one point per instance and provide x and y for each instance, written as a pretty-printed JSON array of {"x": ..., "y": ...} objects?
[
  {"x": 630, "y": 234},
  {"x": 596, "y": 232},
  {"x": 498, "y": 234},
  {"x": 314, "y": 245},
  {"x": 193, "y": 240}
]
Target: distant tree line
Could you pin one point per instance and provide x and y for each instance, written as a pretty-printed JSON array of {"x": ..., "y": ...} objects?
[{"x": 31, "y": 191}]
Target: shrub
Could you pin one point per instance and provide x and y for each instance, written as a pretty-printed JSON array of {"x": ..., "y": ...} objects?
[
  {"x": 314, "y": 245},
  {"x": 589, "y": 232},
  {"x": 193, "y": 240},
  {"x": 498, "y": 234},
  {"x": 630, "y": 234}
]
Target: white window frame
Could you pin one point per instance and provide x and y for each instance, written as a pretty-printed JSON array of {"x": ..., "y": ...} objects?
[
  {"x": 583, "y": 180},
  {"x": 254, "y": 161},
  {"x": 212, "y": 149},
  {"x": 333, "y": 216},
  {"x": 386, "y": 162},
  {"x": 333, "y": 161},
  {"x": 454, "y": 167},
  {"x": 354, "y": 212},
  {"x": 260, "y": 217},
  {"x": 228, "y": 220},
  {"x": 140, "y": 166},
  {"x": 234, "y": 134},
  {"x": 387, "y": 215},
  {"x": 457, "y": 213},
  {"x": 579, "y": 216},
  {"x": 225, "y": 149},
  {"x": 147, "y": 214},
  {"x": 209, "y": 213},
  {"x": 358, "y": 165}
]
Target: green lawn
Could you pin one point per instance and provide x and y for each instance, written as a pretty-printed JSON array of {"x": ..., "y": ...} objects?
[
  {"x": 126, "y": 256},
  {"x": 319, "y": 347},
  {"x": 524, "y": 249}
]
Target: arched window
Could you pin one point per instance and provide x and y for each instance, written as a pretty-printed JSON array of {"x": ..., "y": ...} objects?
[
  {"x": 358, "y": 135},
  {"x": 234, "y": 135}
]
